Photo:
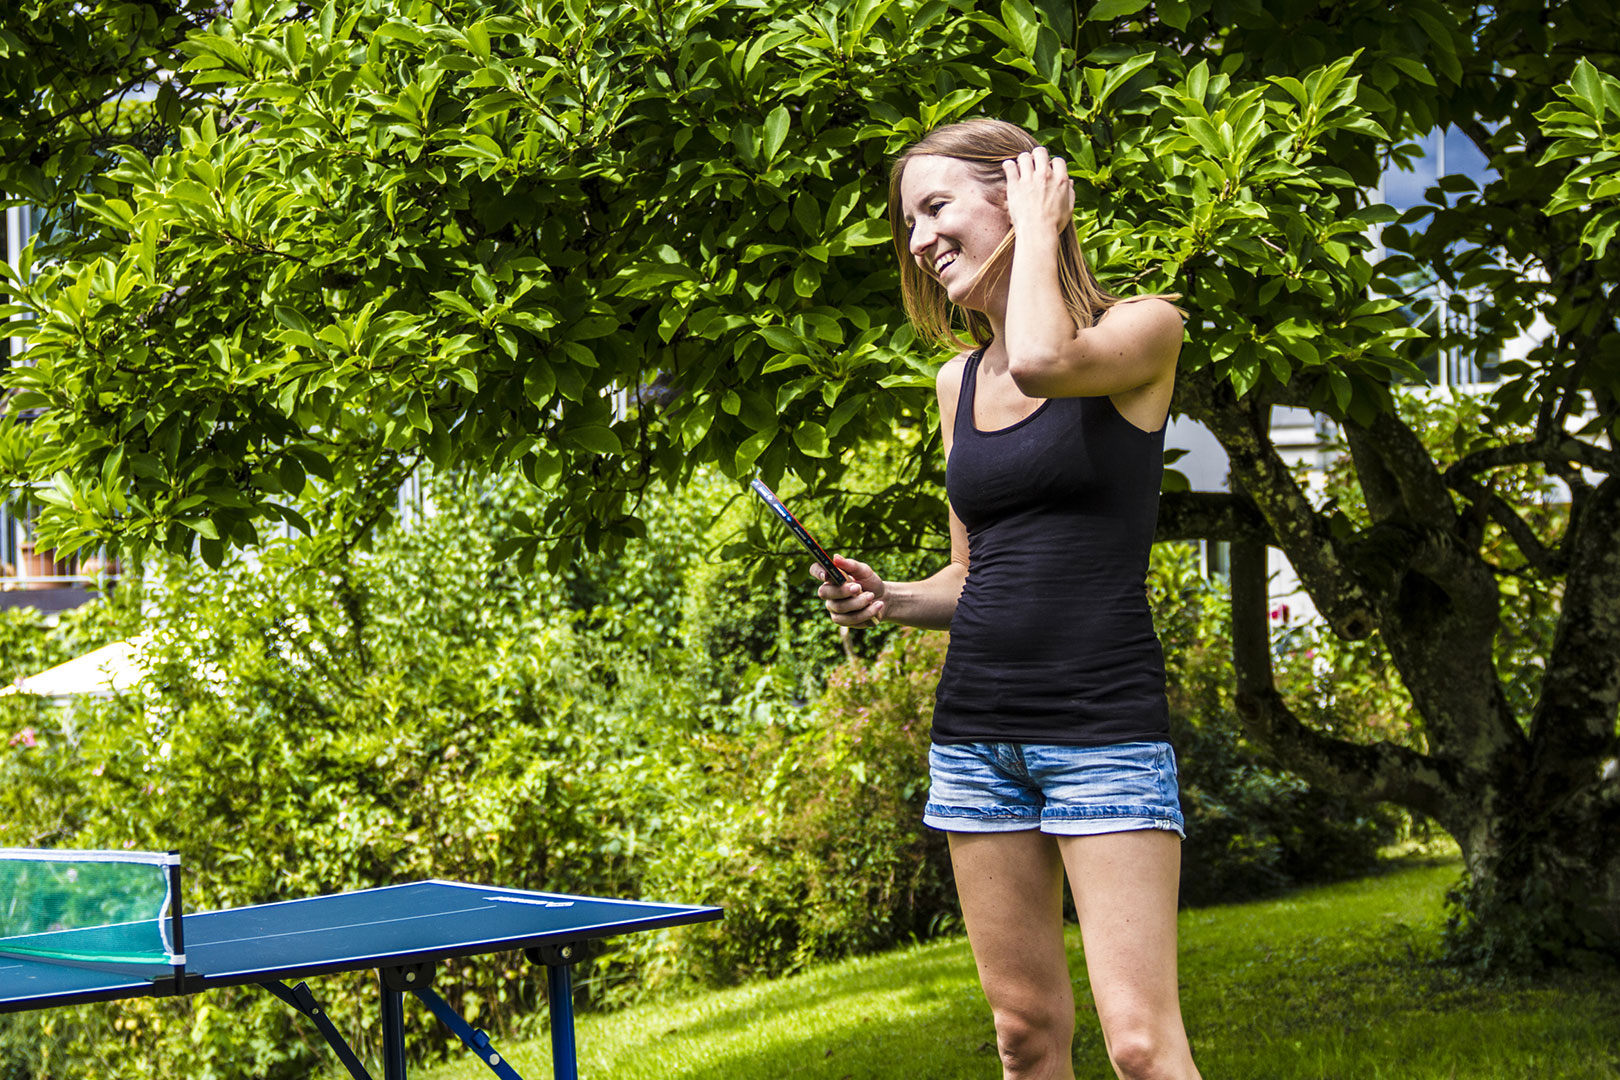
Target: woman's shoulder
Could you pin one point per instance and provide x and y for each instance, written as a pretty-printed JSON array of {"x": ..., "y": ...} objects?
[
  {"x": 948, "y": 380},
  {"x": 1149, "y": 306},
  {"x": 948, "y": 387}
]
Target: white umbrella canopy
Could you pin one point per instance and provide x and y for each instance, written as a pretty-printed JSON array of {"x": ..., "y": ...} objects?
[{"x": 105, "y": 671}]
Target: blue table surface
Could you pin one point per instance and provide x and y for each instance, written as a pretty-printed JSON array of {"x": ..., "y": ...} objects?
[{"x": 389, "y": 926}]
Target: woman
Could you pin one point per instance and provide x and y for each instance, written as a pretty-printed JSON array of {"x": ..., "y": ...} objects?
[{"x": 1050, "y": 738}]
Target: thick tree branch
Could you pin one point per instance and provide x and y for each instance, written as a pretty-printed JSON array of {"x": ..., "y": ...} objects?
[
  {"x": 1416, "y": 525},
  {"x": 1540, "y": 451},
  {"x": 1378, "y": 483},
  {"x": 1547, "y": 560},
  {"x": 1377, "y": 772},
  {"x": 1564, "y": 458},
  {"x": 1436, "y": 598},
  {"x": 1303, "y": 534},
  {"x": 1210, "y": 515},
  {"x": 1251, "y": 618},
  {"x": 1423, "y": 495},
  {"x": 1574, "y": 720}
]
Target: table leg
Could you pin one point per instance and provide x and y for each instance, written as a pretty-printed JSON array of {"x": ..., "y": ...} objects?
[
  {"x": 473, "y": 1039},
  {"x": 393, "y": 1031},
  {"x": 559, "y": 984}
]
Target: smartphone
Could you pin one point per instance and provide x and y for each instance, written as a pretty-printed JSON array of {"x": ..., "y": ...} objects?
[{"x": 834, "y": 575}]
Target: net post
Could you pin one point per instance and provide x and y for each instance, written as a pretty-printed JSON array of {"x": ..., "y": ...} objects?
[{"x": 177, "y": 935}]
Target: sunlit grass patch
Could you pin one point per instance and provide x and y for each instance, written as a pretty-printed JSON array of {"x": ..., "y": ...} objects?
[{"x": 1333, "y": 983}]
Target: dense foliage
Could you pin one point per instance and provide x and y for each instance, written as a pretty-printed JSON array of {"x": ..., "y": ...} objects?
[
  {"x": 307, "y": 726},
  {"x": 426, "y": 709},
  {"x": 394, "y": 231},
  {"x": 611, "y": 242}
]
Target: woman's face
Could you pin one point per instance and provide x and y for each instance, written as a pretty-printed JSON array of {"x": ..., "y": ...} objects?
[{"x": 954, "y": 225}]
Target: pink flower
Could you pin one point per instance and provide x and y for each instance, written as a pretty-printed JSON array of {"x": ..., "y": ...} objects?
[{"x": 24, "y": 738}]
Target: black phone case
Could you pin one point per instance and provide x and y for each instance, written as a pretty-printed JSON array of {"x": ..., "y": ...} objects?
[{"x": 835, "y": 575}]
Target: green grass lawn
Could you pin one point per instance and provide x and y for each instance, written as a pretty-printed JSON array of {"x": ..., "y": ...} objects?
[{"x": 1332, "y": 983}]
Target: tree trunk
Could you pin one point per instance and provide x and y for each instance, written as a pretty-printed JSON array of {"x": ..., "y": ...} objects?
[
  {"x": 1543, "y": 881},
  {"x": 1534, "y": 802}
]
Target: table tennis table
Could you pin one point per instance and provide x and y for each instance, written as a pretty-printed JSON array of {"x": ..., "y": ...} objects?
[{"x": 400, "y": 931}]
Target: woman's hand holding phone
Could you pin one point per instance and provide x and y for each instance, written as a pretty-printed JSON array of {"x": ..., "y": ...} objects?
[{"x": 858, "y": 601}]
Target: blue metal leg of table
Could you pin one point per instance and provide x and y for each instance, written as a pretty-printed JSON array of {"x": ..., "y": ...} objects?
[
  {"x": 302, "y": 998},
  {"x": 559, "y": 984},
  {"x": 393, "y": 1032}
]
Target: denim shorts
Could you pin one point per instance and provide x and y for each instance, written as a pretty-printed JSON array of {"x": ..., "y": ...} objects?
[{"x": 1063, "y": 790}]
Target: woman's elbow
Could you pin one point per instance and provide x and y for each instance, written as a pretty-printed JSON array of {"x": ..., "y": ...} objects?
[{"x": 1033, "y": 372}]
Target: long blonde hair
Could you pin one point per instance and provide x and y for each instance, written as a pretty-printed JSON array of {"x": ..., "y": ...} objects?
[{"x": 984, "y": 144}]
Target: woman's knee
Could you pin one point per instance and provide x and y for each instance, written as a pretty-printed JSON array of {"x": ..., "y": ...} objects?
[
  {"x": 1031, "y": 1040},
  {"x": 1142, "y": 1052}
]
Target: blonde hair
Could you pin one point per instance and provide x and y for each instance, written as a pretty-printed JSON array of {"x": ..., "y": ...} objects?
[{"x": 984, "y": 144}]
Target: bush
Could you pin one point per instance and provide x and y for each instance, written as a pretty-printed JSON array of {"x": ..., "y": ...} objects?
[
  {"x": 320, "y": 721},
  {"x": 818, "y": 849},
  {"x": 303, "y": 732},
  {"x": 875, "y": 876},
  {"x": 316, "y": 722},
  {"x": 1252, "y": 828}
]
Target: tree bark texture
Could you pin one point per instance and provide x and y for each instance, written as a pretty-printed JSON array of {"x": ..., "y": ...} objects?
[{"x": 1533, "y": 801}]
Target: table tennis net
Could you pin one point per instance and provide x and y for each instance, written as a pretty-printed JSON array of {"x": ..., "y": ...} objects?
[{"x": 87, "y": 906}]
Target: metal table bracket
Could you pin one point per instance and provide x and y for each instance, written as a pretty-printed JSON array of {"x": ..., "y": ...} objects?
[
  {"x": 475, "y": 1039},
  {"x": 300, "y": 998}
]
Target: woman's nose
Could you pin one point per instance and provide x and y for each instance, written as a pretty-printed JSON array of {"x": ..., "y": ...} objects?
[{"x": 922, "y": 237}]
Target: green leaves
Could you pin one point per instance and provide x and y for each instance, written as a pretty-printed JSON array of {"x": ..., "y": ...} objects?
[
  {"x": 1023, "y": 24},
  {"x": 1103, "y": 82},
  {"x": 1586, "y": 127},
  {"x": 775, "y": 133},
  {"x": 596, "y": 241},
  {"x": 1231, "y": 192},
  {"x": 1106, "y": 10},
  {"x": 595, "y": 438}
]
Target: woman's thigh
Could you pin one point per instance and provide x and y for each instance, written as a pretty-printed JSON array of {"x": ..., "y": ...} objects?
[
  {"x": 1011, "y": 888},
  {"x": 1125, "y": 892}
]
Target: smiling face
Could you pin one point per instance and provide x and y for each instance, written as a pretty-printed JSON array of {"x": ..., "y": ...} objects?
[{"x": 955, "y": 225}]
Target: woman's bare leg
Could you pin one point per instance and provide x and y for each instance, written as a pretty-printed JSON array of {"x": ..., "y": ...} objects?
[
  {"x": 1011, "y": 888},
  {"x": 1125, "y": 890}
]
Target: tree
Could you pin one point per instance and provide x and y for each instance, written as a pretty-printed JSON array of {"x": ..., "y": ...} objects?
[
  {"x": 74, "y": 82},
  {"x": 398, "y": 233},
  {"x": 1531, "y": 793},
  {"x": 395, "y": 232}
]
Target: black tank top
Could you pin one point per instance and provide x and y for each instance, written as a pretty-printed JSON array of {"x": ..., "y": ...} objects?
[{"x": 1052, "y": 640}]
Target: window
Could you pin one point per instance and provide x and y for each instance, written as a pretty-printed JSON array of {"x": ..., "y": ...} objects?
[{"x": 1451, "y": 313}]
